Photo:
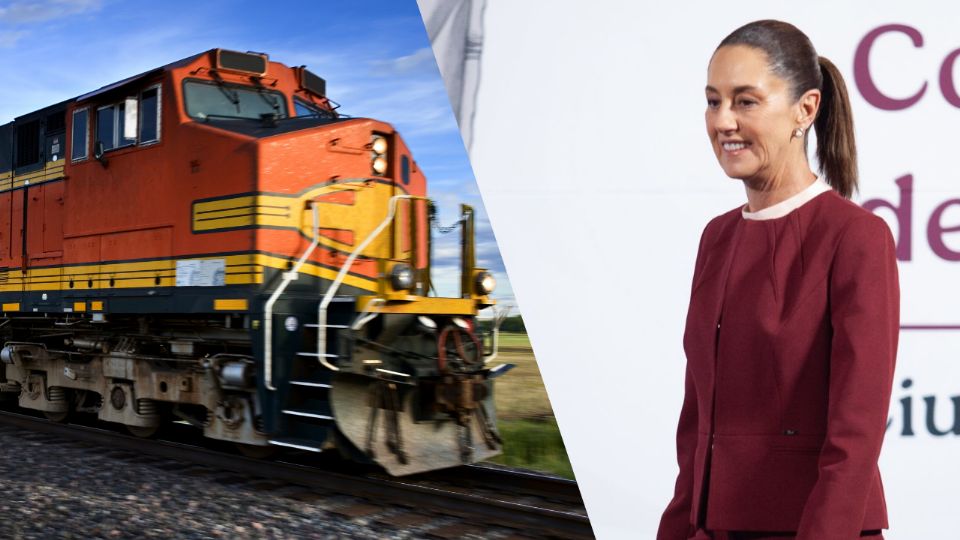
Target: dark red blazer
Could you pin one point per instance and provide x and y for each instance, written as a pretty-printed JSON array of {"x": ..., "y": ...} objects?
[{"x": 789, "y": 438}]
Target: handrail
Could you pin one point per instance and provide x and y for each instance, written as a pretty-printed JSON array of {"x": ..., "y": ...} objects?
[
  {"x": 468, "y": 257},
  {"x": 332, "y": 290},
  {"x": 498, "y": 317},
  {"x": 268, "y": 307}
]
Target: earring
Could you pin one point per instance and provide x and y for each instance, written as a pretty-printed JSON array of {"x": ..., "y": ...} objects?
[{"x": 798, "y": 132}]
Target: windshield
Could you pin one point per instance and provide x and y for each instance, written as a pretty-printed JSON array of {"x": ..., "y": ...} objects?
[
  {"x": 302, "y": 108},
  {"x": 222, "y": 100}
]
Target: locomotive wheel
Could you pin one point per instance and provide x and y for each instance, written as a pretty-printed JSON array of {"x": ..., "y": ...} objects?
[
  {"x": 60, "y": 395},
  {"x": 256, "y": 452},
  {"x": 58, "y": 417},
  {"x": 144, "y": 432}
]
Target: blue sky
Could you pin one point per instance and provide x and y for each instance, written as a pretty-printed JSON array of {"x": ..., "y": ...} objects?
[{"x": 375, "y": 56}]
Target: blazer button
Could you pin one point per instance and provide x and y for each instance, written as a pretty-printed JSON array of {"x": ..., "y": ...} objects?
[{"x": 790, "y": 432}]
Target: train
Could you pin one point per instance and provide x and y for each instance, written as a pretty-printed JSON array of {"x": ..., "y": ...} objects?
[{"x": 212, "y": 242}]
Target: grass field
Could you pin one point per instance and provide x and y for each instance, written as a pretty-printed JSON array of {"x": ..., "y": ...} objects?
[{"x": 531, "y": 438}]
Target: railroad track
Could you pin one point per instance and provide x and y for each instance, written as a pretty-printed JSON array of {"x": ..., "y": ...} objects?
[
  {"x": 550, "y": 488},
  {"x": 531, "y": 504}
]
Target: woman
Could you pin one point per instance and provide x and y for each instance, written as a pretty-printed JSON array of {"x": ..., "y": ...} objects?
[{"x": 791, "y": 334}]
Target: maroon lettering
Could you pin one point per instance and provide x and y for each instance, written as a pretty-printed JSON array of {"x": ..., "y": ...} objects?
[
  {"x": 935, "y": 230},
  {"x": 903, "y": 213},
  {"x": 861, "y": 69},
  {"x": 947, "y": 86}
]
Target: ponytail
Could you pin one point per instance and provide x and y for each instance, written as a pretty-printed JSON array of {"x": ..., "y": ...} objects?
[{"x": 836, "y": 148}]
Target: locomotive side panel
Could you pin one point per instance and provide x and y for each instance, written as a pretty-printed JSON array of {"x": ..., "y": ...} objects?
[
  {"x": 7, "y": 231},
  {"x": 6, "y": 198},
  {"x": 53, "y": 213},
  {"x": 128, "y": 214},
  {"x": 31, "y": 180},
  {"x": 15, "y": 204},
  {"x": 10, "y": 224},
  {"x": 45, "y": 208},
  {"x": 207, "y": 164}
]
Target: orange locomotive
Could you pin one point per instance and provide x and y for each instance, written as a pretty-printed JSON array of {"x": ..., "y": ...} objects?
[{"x": 211, "y": 242}]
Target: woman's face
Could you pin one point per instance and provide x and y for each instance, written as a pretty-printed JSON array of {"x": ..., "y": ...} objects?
[{"x": 750, "y": 114}]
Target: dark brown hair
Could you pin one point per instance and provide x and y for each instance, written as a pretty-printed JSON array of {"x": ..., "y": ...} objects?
[{"x": 791, "y": 56}]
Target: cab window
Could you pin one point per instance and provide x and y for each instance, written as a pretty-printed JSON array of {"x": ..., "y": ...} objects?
[
  {"x": 135, "y": 120},
  {"x": 28, "y": 144},
  {"x": 302, "y": 108},
  {"x": 150, "y": 115},
  {"x": 79, "y": 135},
  {"x": 212, "y": 100},
  {"x": 111, "y": 121}
]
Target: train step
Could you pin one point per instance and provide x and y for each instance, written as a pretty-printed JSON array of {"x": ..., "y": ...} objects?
[
  {"x": 317, "y": 355},
  {"x": 299, "y": 444},
  {"x": 307, "y": 413},
  {"x": 336, "y": 326},
  {"x": 310, "y": 384}
]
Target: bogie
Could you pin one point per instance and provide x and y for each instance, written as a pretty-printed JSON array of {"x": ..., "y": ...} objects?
[{"x": 126, "y": 379}]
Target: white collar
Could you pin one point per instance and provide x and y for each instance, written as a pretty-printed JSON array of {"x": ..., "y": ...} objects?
[{"x": 789, "y": 204}]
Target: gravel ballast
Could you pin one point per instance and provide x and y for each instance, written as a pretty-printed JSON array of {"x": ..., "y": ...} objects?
[{"x": 57, "y": 489}]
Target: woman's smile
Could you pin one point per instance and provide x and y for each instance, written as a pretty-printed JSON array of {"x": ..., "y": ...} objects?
[{"x": 734, "y": 148}]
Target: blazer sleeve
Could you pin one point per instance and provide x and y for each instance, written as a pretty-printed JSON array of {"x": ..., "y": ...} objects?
[
  {"x": 864, "y": 295},
  {"x": 675, "y": 523}
]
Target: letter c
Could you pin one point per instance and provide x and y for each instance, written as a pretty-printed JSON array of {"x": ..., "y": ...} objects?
[
  {"x": 861, "y": 69},
  {"x": 946, "y": 79}
]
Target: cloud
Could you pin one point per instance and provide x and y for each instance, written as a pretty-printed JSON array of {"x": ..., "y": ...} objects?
[
  {"x": 9, "y": 38},
  {"x": 39, "y": 72},
  {"x": 420, "y": 105},
  {"x": 45, "y": 10},
  {"x": 419, "y": 62},
  {"x": 404, "y": 90}
]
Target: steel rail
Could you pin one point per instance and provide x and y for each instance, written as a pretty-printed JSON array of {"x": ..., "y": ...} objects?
[{"x": 532, "y": 483}]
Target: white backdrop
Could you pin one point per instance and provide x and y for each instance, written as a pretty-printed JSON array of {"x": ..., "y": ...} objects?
[{"x": 591, "y": 154}]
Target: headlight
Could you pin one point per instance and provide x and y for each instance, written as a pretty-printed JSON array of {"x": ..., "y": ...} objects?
[
  {"x": 380, "y": 165},
  {"x": 427, "y": 323},
  {"x": 485, "y": 283},
  {"x": 401, "y": 277},
  {"x": 379, "y": 145}
]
